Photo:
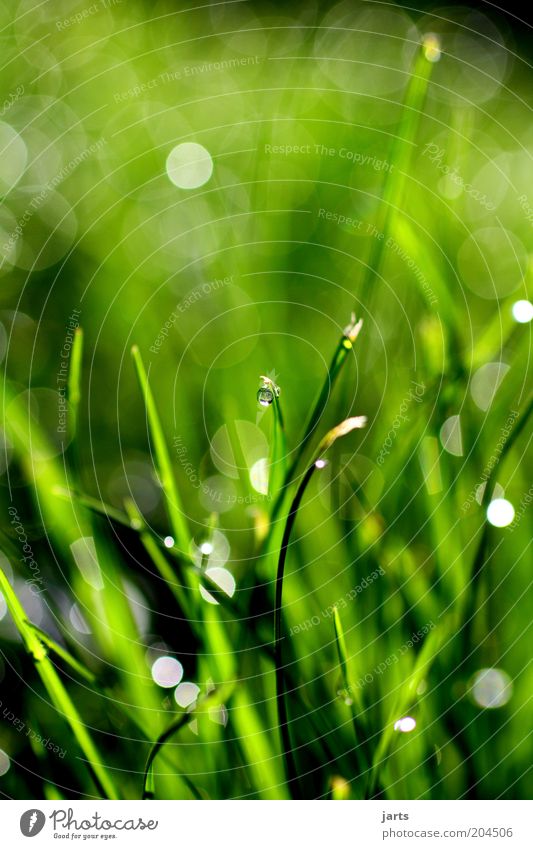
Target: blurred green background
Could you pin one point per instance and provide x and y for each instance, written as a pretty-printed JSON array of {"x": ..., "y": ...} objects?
[{"x": 223, "y": 187}]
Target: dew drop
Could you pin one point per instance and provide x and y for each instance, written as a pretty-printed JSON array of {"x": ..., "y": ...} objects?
[
  {"x": 265, "y": 396},
  {"x": 405, "y": 724},
  {"x": 500, "y": 513}
]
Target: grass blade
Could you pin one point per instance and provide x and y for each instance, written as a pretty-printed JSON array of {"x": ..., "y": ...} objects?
[
  {"x": 344, "y": 346},
  {"x": 283, "y": 718},
  {"x": 470, "y": 601},
  {"x": 74, "y": 381},
  {"x": 162, "y": 458},
  {"x": 401, "y": 157},
  {"x": 340, "y": 355},
  {"x": 154, "y": 552},
  {"x": 64, "y": 654},
  {"x": 93, "y": 504},
  {"x": 407, "y": 696},
  {"x": 148, "y": 784},
  {"x": 352, "y": 693},
  {"x": 56, "y": 691},
  {"x": 277, "y": 462}
]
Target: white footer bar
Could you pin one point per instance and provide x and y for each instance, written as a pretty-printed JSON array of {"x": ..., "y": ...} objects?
[{"x": 268, "y": 825}]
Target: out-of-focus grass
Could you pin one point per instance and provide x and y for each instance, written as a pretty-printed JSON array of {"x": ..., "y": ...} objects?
[{"x": 140, "y": 511}]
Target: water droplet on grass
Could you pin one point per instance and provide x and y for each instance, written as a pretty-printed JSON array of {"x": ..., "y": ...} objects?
[
  {"x": 344, "y": 696},
  {"x": 265, "y": 396},
  {"x": 267, "y": 391},
  {"x": 500, "y": 513},
  {"x": 405, "y": 724}
]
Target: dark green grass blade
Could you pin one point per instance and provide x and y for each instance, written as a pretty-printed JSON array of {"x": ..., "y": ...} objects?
[
  {"x": 148, "y": 787},
  {"x": 283, "y": 718},
  {"x": 148, "y": 784}
]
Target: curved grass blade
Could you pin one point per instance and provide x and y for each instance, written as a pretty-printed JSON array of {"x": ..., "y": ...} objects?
[
  {"x": 283, "y": 718},
  {"x": 340, "y": 355},
  {"x": 148, "y": 784},
  {"x": 148, "y": 790}
]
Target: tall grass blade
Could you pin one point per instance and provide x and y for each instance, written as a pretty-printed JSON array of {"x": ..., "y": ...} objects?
[
  {"x": 283, "y": 718},
  {"x": 339, "y": 358},
  {"x": 162, "y": 458},
  {"x": 471, "y": 598},
  {"x": 277, "y": 464},
  {"x": 74, "y": 383},
  {"x": 400, "y": 156},
  {"x": 57, "y": 692},
  {"x": 352, "y": 693},
  {"x": 407, "y": 696}
]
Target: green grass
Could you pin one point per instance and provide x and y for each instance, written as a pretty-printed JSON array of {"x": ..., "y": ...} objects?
[{"x": 305, "y": 669}]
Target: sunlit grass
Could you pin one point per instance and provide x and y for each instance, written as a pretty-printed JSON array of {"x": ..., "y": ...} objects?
[{"x": 309, "y": 682}]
